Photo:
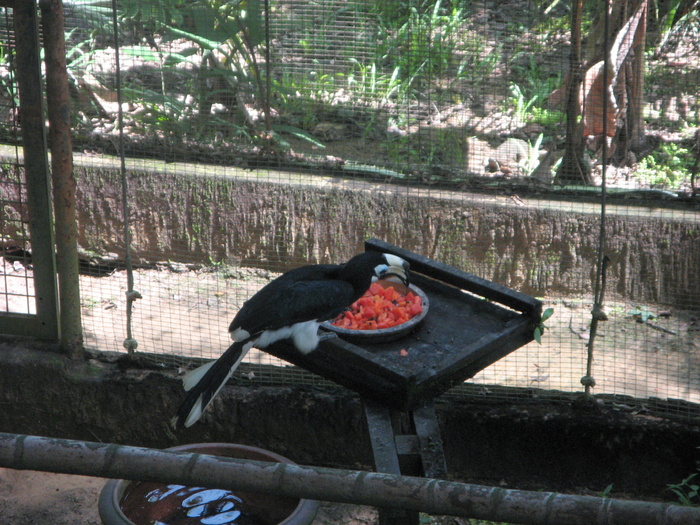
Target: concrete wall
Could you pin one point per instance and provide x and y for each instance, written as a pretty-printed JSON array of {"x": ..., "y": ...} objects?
[{"x": 281, "y": 220}]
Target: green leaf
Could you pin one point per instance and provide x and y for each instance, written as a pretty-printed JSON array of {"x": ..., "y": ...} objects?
[
  {"x": 253, "y": 22},
  {"x": 280, "y": 140},
  {"x": 546, "y": 314},
  {"x": 299, "y": 133},
  {"x": 646, "y": 315},
  {"x": 205, "y": 43},
  {"x": 144, "y": 52},
  {"x": 538, "y": 335},
  {"x": 642, "y": 313}
]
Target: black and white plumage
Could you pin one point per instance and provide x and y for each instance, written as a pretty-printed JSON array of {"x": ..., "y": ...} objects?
[{"x": 292, "y": 306}]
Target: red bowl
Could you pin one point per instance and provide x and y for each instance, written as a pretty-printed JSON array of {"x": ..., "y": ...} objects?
[{"x": 123, "y": 502}]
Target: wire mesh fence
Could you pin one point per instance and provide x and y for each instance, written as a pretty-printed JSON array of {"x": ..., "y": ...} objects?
[
  {"x": 259, "y": 136},
  {"x": 16, "y": 284}
]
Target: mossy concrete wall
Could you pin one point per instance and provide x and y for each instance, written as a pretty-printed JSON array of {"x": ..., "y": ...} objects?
[{"x": 281, "y": 219}]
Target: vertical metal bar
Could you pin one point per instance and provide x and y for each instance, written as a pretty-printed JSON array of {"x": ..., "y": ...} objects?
[
  {"x": 45, "y": 324},
  {"x": 64, "y": 185}
]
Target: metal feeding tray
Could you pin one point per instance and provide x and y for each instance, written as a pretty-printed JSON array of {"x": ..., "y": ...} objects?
[{"x": 472, "y": 323}]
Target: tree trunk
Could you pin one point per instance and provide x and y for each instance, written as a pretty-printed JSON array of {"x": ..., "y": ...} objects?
[{"x": 573, "y": 169}]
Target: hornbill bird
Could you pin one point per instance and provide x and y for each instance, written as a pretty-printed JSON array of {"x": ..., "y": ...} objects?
[{"x": 292, "y": 306}]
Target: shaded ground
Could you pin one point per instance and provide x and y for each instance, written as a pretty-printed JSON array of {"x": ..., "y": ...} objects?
[{"x": 28, "y": 497}]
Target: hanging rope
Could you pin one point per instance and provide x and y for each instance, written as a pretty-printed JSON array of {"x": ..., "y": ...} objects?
[
  {"x": 598, "y": 313},
  {"x": 130, "y": 343}
]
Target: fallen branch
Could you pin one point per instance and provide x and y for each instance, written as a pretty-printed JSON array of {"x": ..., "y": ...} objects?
[{"x": 658, "y": 327}]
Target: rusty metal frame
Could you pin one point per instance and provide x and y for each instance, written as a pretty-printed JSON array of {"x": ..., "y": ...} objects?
[{"x": 45, "y": 323}]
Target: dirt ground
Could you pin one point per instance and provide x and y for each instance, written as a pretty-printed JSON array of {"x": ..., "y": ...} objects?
[
  {"x": 40, "y": 498},
  {"x": 186, "y": 312},
  {"x": 28, "y": 497}
]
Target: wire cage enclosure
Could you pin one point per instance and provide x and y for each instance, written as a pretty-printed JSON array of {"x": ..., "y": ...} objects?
[{"x": 250, "y": 138}]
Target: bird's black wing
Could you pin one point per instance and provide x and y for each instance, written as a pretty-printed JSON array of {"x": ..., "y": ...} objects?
[
  {"x": 275, "y": 288},
  {"x": 293, "y": 303},
  {"x": 287, "y": 305},
  {"x": 249, "y": 316}
]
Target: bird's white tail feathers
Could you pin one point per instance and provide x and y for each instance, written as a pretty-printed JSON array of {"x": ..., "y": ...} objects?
[
  {"x": 198, "y": 409},
  {"x": 192, "y": 378}
]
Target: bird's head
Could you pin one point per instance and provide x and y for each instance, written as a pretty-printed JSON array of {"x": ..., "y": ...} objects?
[
  {"x": 365, "y": 268},
  {"x": 390, "y": 267}
]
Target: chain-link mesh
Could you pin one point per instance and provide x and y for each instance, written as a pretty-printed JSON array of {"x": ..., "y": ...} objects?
[
  {"x": 16, "y": 284},
  {"x": 253, "y": 130}
]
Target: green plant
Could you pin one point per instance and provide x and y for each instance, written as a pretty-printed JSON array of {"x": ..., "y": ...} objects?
[
  {"x": 530, "y": 163},
  {"x": 367, "y": 81},
  {"x": 546, "y": 117},
  {"x": 667, "y": 167},
  {"x": 419, "y": 42},
  {"x": 7, "y": 89},
  {"x": 401, "y": 150},
  {"x": 527, "y": 105},
  {"x": 687, "y": 491},
  {"x": 227, "y": 36},
  {"x": 642, "y": 314},
  {"x": 529, "y": 94},
  {"x": 684, "y": 28},
  {"x": 540, "y": 328},
  {"x": 222, "y": 63},
  {"x": 215, "y": 35},
  {"x": 521, "y": 105}
]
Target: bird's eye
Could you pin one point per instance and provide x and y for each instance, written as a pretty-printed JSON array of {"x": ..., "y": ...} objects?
[{"x": 380, "y": 269}]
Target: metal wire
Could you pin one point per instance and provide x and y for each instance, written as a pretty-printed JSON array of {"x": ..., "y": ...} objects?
[
  {"x": 130, "y": 343},
  {"x": 229, "y": 213},
  {"x": 597, "y": 314}
]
